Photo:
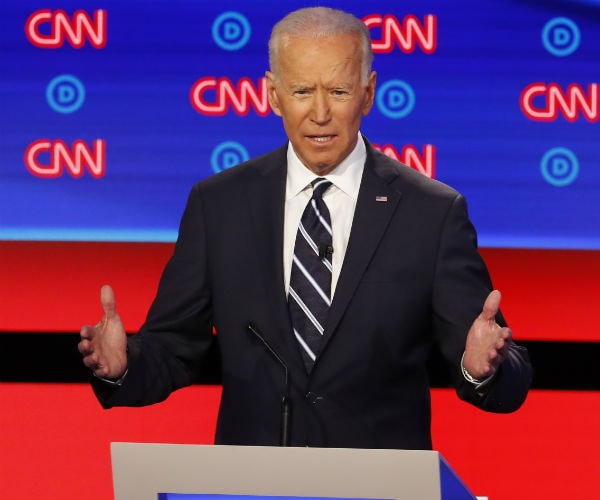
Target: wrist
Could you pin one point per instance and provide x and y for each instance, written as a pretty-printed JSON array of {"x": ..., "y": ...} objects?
[
  {"x": 468, "y": 377},
  {"x": 114, "y": 381}
]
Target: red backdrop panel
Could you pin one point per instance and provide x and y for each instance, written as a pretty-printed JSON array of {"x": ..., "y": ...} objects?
[
  {"x": 547, "y": 295},
  {"x": 54, "y": 441}
]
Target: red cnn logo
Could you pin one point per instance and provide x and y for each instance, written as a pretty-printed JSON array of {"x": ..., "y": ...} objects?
[
  {"x": 48, "y": 159},
  {"x": 423, "y": 162},
  {"x": 407, "y": 35},
  {"x": 552, "y": 100},
  {"x": 213, "y": 97},
  {"x": 50, "y": 29}
]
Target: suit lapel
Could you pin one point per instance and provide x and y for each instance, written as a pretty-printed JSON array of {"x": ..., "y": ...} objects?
[
  {"x": 266, "y": 201},
  {"x": 377, "y": 202}
]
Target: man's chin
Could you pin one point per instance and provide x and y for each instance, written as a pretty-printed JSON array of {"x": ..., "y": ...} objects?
[
  {"x": 321, "y": 165},
  {"x": 322, "y": 168}
]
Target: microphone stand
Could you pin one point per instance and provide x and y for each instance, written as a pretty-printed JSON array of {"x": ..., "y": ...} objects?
[{"x": 286, "y": 403}]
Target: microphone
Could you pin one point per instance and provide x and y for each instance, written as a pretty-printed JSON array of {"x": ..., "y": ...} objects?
[
  {"x": 324, "y": 250},
  {"x": 286, "y": 404}
]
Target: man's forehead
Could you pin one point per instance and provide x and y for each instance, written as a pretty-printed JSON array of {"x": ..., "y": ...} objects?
[
  {"x": 307, "y": 61},
  {"x": 344, "y": 76},
  {"x": 334, "y": 62}
]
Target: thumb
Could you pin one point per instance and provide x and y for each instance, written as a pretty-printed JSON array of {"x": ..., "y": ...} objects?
[
  {"x": 491, "y": 305},
  {"x": 107, "y": 299}
]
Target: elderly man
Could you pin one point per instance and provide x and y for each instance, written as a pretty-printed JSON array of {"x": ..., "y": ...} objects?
[{"x": 328, "y": 270}]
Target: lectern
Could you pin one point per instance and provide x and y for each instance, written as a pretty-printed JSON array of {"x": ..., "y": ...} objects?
[{"x": 144, "y": 471}]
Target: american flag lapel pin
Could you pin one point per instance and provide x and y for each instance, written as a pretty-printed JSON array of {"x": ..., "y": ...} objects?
[{"x": 381, "y": 199}]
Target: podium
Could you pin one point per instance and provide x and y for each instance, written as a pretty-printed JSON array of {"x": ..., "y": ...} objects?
[{"x": 145, "y": 471}]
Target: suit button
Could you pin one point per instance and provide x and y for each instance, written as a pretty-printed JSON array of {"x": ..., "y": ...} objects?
[{"x": 313, "y": 398}]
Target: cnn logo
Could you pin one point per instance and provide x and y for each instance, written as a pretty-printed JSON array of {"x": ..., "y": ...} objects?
[
  {"x": 49, "y": 159},
  {"x": 49, "y": 29},
  {"x": 407, "y": 34},
  {"x": 214, "y": 97},
  {"x": 545, "y": 103}
]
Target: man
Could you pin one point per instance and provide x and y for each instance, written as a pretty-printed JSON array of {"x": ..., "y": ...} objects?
[{"x": 403, "y": 274}]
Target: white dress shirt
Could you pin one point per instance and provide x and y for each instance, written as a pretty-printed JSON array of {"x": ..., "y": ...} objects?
[{"x": 340, "y": 199}]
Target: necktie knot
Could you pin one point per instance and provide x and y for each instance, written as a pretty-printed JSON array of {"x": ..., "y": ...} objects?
[{"x": 320, "y": 185}]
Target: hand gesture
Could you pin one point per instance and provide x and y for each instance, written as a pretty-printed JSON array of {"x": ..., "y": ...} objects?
[
  {"x": 104, "y": 346},
  {"x": 487, "y": 342}
]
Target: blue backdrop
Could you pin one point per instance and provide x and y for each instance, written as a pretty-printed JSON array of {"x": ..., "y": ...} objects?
[{"x": 110, "y": 111}]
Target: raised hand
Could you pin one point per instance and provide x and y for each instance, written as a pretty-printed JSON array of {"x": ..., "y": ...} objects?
[
  {"x": 104, "y": 345},
  {"x": 487, "y": 342}
]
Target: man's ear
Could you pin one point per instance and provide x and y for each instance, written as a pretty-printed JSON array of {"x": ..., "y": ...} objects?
[
  {"x": 371, "y": 82},
  {"x": 272, "y": 93}
]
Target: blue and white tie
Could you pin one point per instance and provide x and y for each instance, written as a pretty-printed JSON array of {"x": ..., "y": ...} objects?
[{"x": 309, "y": 295}]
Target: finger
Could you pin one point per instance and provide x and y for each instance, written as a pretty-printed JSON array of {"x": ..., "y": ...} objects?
[
  {"x": 107, "y": 299},
  {"x": 501, "y": 346},
  {"x": 491, "y": 305},
  {"x": 85, "y": 347},
  {"x": 503, "y": 339},
  {"x": 496, "y": 361},
  {"x": 91, "y": 362},
  {"x": 503, "y": 351},
  {"x": 86, "y": 332}
]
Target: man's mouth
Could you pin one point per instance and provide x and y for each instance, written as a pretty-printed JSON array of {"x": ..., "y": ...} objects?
[{"x": 321, "y": 138}]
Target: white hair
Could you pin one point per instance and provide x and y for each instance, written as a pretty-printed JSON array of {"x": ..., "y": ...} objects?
[{"x": 320, "y": 22}]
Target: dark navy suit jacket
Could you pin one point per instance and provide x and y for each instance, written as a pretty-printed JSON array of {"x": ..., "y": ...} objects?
[{"x": 412, "y": 278}]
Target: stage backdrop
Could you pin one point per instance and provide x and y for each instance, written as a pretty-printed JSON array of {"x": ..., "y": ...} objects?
[{"x": 112, "y": 110}]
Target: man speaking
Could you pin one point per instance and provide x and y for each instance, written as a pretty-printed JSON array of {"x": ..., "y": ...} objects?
[{"x": 329, "y": 271}]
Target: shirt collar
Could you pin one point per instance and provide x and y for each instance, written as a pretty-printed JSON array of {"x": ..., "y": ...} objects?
[{"x": 346, "y": 176}]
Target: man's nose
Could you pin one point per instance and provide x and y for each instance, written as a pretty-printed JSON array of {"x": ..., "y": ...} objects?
[{"x": 321, "y": 108}]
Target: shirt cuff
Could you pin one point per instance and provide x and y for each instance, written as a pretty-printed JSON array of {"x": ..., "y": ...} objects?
[
  {"x": 472, "y": 380},
  {"x": 118, "y": 382}
]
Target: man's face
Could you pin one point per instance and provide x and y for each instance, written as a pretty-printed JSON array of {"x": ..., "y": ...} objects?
[{"x": 319, "y": 94}]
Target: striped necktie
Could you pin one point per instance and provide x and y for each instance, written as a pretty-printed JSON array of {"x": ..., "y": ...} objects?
[{"x": 310, "y": 280}]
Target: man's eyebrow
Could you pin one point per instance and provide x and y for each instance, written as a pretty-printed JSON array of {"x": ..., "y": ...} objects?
[{"x": 301, "y": 86}]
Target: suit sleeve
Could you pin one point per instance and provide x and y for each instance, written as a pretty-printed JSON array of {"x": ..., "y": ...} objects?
[
  {"x": 461, "y": 285},
  {"x": 173, "y": 343}
]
